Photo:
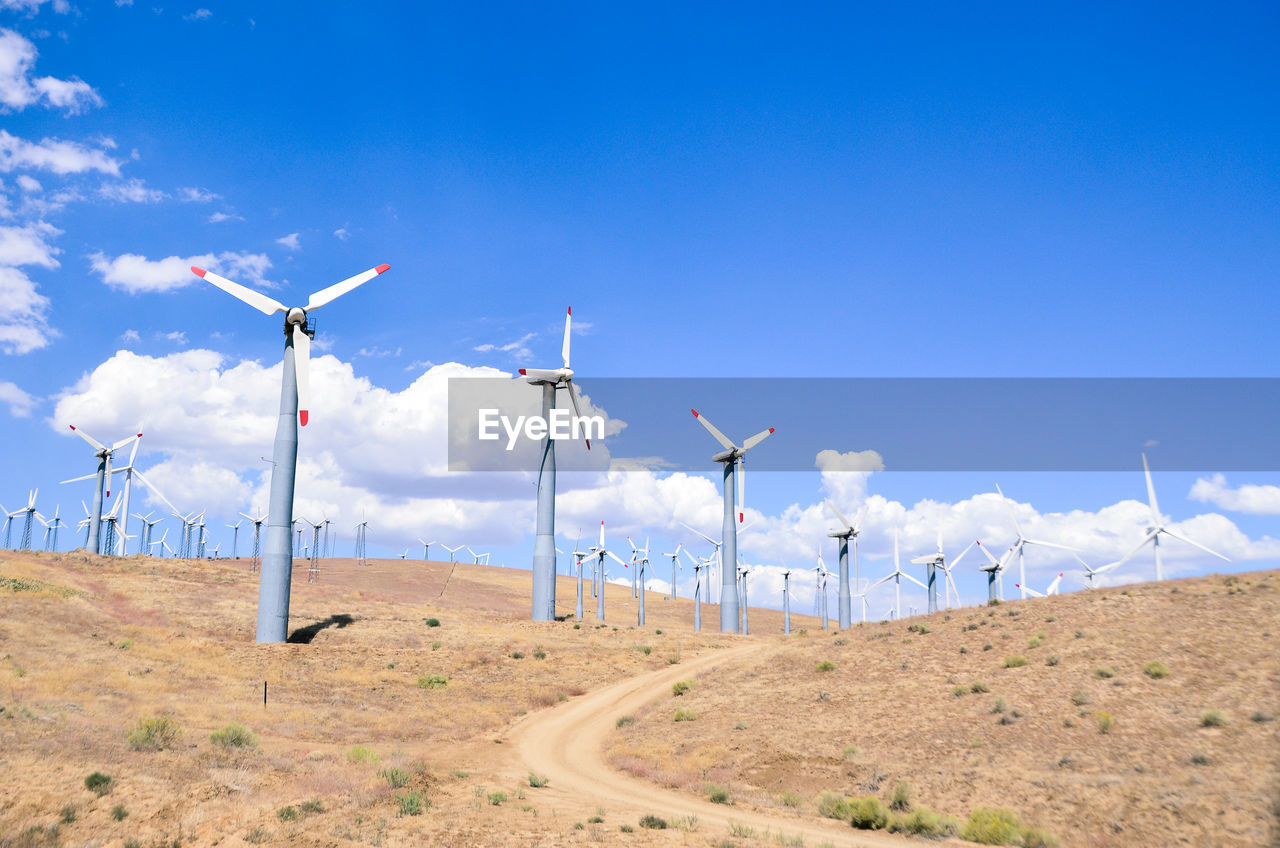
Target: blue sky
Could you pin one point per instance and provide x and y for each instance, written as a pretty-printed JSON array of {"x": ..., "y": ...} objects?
[{"x": 726, "y": 191}]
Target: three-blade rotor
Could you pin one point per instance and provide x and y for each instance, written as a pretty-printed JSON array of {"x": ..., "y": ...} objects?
[{"x": 561, "y": 376}]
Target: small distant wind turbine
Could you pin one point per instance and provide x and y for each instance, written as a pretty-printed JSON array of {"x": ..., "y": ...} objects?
[
  {"x": 675, "y": 563},
  {"x": 731, "y": 457},
  {"x": 1157, "y": 527},
  {"x": 544, "y": 558},
  {"x": 51, "y": 530},
  {"x": 849, "y": 530},
  {"x": 699, "y": 565},
  {"x": 820, "y": 591},
  {"x": 994, "y": 572},
  {"x": 935, "y": 562},
  {"x": 1021, "y": 542},
  {"x": 28, "y": 519},
  {"x": 640, "y": 558},
  {"x": 453, "y": 551},
  {"x": 102, "y": 484},
  {"x": 896, "y": 576},
  {"x": 426, "y": 546},
  {"x": 277, "y": 563},
  {"x": 235, "y": 538},
  {"x": 601, "y": 551},
  {"x": 1090, "y": 573},
  {"x": 786, "y": 600},
  {"x": 744, "y": 571},
  {"x": 362, "y": 539},
  {"x": 715, "y": 555}
]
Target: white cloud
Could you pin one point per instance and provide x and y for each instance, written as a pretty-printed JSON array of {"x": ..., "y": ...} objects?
[
  {"x": 176, "y": 336},
  {"x": 18, "y": 89},
  {"x": 198, "y": 15},
  {"x": 19, "y": 402},
  {"x": 124, "y": 2},
  {"x": 1249, "y": 498},
  {"x": 130, "y": 336},
  {"x": 33, "y": 6},
  {"x": 132, "y": 191},
  {"x": 51, "y": 154},
  {"x": 219, "y": 217},
  {"x": 290, "y": 241},
  {"x": 23, "y": 311},
  {"x": 519, "y": 348},
  {"x": 29, "y": 245},
  {"x": 135, "y": 274},
  {"x": 378, "y": 352},
  {"x": 341, "y": 234},
  {"x": 28, "y": 184},
  {"x": 189, "y": 194}
]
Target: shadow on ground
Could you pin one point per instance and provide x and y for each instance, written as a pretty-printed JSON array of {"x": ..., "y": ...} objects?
[{"x": 304, "y": 635}]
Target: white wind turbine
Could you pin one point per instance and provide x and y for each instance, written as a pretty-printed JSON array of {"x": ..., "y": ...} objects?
[
  {"x": 731, "y": 457},
  {"x": 28, "y": 519},
  {"x": 1090, "y": 573},
  {"x": 102, "y": 486},
  {"x": 675, "y": 563},
  {"x": 1021, "y": 542},
  {"x": 601, "y": 551},
  {"x": 453, "y": 551},
  {"x": 896, "y": 576},
  {"x": 1157, "y": 527},
  {"x": 935, "y": 562},
  {"x": 699, "y": 565},
  {"x": 51, "y": 529},
  {"x": 295, "y": 397},
  {"x": 1052, "y": 590},
  {"x": 640, "y": 558},
  {"x": 786, "y": 600},
  {"x": 848, "y": 532},
  {"x": 820, "y": 593},
  {"x": 715, "y": 555},
  {"x": 426, "y": 546}
]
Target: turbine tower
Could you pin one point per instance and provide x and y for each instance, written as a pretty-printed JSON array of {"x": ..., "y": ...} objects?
[
  {"x": 675, "y": 560},
  {"x": 102, "y": 482},
  {"x": 820, "y": 591},
  {"x": 28, "y": 519},
  {"x": 544, "y": 545},
  {"x": 699, "y": 565},
  {"x": 848, "y": 531},
  {"x": 601, "y": 551},
  {"x": 732, "y": 456},
  {"x": 786, "y": 601},
  {"x": 295, "y": 397},
  {"x": 1157, "y": 527},
  {"x": 896, "y": 576},
  {"x": 934, "y": 563}
]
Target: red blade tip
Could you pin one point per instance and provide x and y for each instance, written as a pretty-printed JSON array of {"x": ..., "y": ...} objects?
[
  {"x": 72, "y": 426},
  {"x": 522, "y": 372},
  {"x": 770, "y": 429},
  {"x": 695, "y": 412},
  {"x": 199, "y": 272},
  {"x": 381, "y": 268},
  {"x": 570, "y": 310},
  {"x": 302, "y": 417}
]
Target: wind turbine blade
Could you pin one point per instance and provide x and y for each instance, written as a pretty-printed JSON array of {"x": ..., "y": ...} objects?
[
  {"x": 573, "y": 398},
  {"x": 302, "y": 367},
  {"x": 615, "y": 558},
  {"x": 144, "y": 481},
  {"x": 756, "y": 439},
  {"x": 564, "y": 349},
  {"x": 1049, "y": 545},
  {"x": 1028, "y": 590},
  {"x": 844, "y": 522},
  {"x": 956, "y": 561},
  {"x": 90, "y": 439},
  {"x": 994, "y": 562},
  {"x": 107, "y": 478},
  {"x": 1053, "y": 587},
  {"x": 925, "y": 560},
  {"x": 742, "y": 489},
  {"x": 1197, "y": 544},
  {"x": 1009, "y": 506},
  {"x": 125, "y": 441},
  {"x": 711, "y": 428},
  {"x": 260, "y": 302},
  {"x": 78, "y": 479},
  {"x": 709, "y": 540},
  {"x": 337, "y": 290},
  {"x": 1150, "y": 535},
  {"x": 913, "y": 580},
  {"x": 1151, "y": 492}
]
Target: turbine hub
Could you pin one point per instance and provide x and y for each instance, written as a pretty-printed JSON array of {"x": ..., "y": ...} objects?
[{"x": 296, "y": 315}]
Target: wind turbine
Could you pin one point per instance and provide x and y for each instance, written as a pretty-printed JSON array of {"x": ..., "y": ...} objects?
[
  {"x": 426, "y": 546},
  {"x": 743, "y": 572},
  {"x": 362, "y": 534},
  {"x": 161, "y": 543},
  {"x": 126, "y": 493},
  {"x": 896, "y": 576},
  {"x": 51, "y": 529},
  {"x": 732, "y": 456},
  {"x": 821, "y": 590},
  {"x": 1157, "y": 527},
  {"x": 675, "y": 560},
  {"x": 1052, "y": 590},
  {"x": 544, "y": 556},
  {"x": 8, "y": 524},
  {"x": 453, "y": 551},
  {"x": 640, "y": 556},
  {"x": 235, "y": 538},
  {"x": 699, "y": 565},
  {"x": 257, "y": 523},
  {"x": 848, "y": 531},
  {"x": 715, "y": 553},
  {"x": 102, "y": 482},
  {"x": 295, "y": 392},
  {"x": 933, "y": 563},
  {"x": 1090, "y": 573},
  {"x": 995, "y": 573},
  {"x": 144, "y": 544},
  {"x": 601, "y": 551},
  {"x": 1021, "y": 542},
  {"x": 786, "y": 600},
  {"x": 28, "y": 520}
]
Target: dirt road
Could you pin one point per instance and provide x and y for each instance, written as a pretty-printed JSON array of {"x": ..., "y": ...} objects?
[{"x": 567, "y": 743}]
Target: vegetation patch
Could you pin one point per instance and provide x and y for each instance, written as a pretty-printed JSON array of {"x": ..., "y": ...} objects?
[
  {"x": 537, "y": 781},
  {"x": 680, "y": 687},
  {"x": 234, "y": 736},
  {"x": 395, "y": 777},
  {"x": 717, "y": 794},
  {"x": 991, "y": 826},
  {"x": 1213, "y": 718},
  {"x": 154, "y": 734},
  {"x": 98, "y": 783},
  {"x": 825, "y": 665},
  {"x": 868, "y": 813},
  {"x": 1015, "y": 661},
  {"x": 685, "y": 715},
  {"x": 361, "y": 754},
  {"x": 652, "y": 822},
  {"x": 1156, "y": 670},
  {"x": 411, "y": 803},
  {"x": 432, "y": 681}
]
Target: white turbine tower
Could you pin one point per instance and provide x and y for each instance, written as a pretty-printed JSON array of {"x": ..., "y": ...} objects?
[
  {"x": 1158, "y": 527},
  {"x": 848, "y": 531},
  {"x": 699, "y": 565},
  {"x": 102, "y": 485},
  {"x": 601, "y": 551},
  {"x": 934, "y": 563},
  {"x": 544, "y": 557},
  {"x": 675, "y": 563},
  {"x": 896, "y": 576},
  {"x": 714, "y": 559},
  {"x": 731, "y": 457},
  {"x": 786, "y": 600},
  {"x": 295, "y": 397}
]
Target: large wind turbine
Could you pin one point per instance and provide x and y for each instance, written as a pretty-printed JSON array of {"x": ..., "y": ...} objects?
[
  {"x": 732, "y": 456},
  {"x": 295, "y": 397},
  {"x": 934, "y": 563},
  {"x": 544, "y": 545},
  {"x": 1157, "y": 527},
  {"x": 896, "y": 576},
  {"x": 1021, "y": 542},
  {"x": 102, "y": 482},
  {"x": 848, "y": 531}
]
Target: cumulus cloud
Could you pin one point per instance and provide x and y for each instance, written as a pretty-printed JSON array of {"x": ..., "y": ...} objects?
[
  {"x": 519, "y": 348},
  {"x": 219, "y": 217},
  {"x": 28, "y": 184},
  {"x": 190, "y": 194},
  {"x": 1249, "y": 498},
  {"x": 23, "y": 313},
  {"x": 131, "y": 191},
  {"x": 18, "y": 89},
  {"x": 18, "y": 401},
  {"x": 33, "y": 6},
  {"x": 29, "y": 245},
  {"x": 136, "y": 274},
  {"x": 198, "y": 15},
  {"x": 290, "y": 241},
  {"x": 51, "y": 154}
]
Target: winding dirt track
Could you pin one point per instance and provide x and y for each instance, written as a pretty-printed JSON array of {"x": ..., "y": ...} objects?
[{"x": 567, "y": 743}]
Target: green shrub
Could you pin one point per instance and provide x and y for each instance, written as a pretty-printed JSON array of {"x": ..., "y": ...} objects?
[
  {"x": 988, "y": 646},
  {"x": 825, "y": 665},
  {"x": 395, "y": 777},
  {"x": 154, "y": 734},
  {"x": 517, "y": 655},
  {"x": 1015, "y": 661},
  {"x": 925, "y": 822},
  {"x": 1035, "y": 837},
  {"x": 1155, "y": 670},
  {"x": 849, "y": 751},
  {"x": 537, "y": 781},
  {"x": 68, "y": 815},
  {"x": 234, "y": 736},
  {"x": 1080, "y": 697},
  {"x": 680, "y": 687},
  {"x": 360, "y": 754},
  {"x": 990, "y": 826},
  {"x": 626, "y": 828},
  {"x": 960, "y": 691},
  {"x": 433, "y": 622},
  {"x": 496, "y": 798},
  {"x": 900, "y": 800},
  {"x": 652, "y": 822},
  {"x": 1260, "y": 717},
  {"x": 979, "y": 688},
  {"x": 623, "y": 721},
  {"x": 1105, "y": 672},
  {"x": 119, "y": 813},
  {"x": 685, "y": 715},
  {"x": 287, "y": 814},
  {"x": 790, "y": 799},
  {"x": 539, "y": 654},
  {"x": 313, "y": 806},
  {"x": 1213, "y": 718},
  {"x": 98, "y": 783},
  {"x": 1106, "y": 721},
  {"x": 832, "y": 805},
  {"x": 868, "y": 813},
  {"x": 432, "y": 681},
  {"x": 717, "y": 794},
  {"x": 1033, "y": 642},
  {"x": 1052, "y": 659},
  {"x": 411, "y": 803},
  {"x": 645, "y": 649}
]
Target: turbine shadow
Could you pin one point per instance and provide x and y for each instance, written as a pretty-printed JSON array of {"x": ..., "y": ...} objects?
[{"x": 304, "y": 635}]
